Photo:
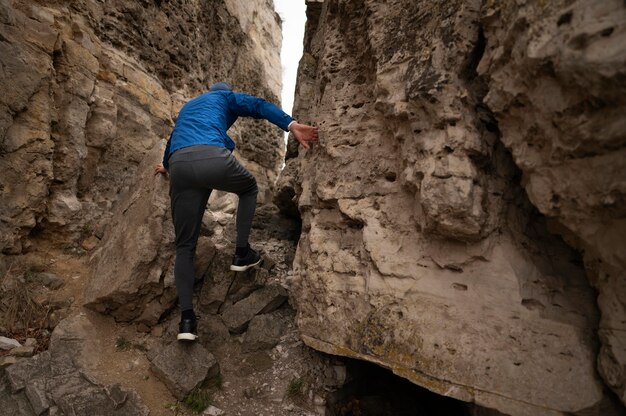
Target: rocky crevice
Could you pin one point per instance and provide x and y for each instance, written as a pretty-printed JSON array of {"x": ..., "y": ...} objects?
[{"x": 458, "y": 223}]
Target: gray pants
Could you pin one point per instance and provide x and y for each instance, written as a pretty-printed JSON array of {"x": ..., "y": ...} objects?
[{"x": 194, "y": 172}]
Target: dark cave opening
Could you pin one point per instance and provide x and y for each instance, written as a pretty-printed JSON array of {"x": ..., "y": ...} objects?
[{"x": 371, "y": 390}]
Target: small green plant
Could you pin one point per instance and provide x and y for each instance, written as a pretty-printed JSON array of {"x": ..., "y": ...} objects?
[
  {"x": 122, "y": 344},
  {"x": 198, "y": 400},
  {"x": 294, "y": 388}
]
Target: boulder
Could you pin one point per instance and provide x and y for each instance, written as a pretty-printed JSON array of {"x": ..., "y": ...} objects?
[
  {"x": 8, "y": 343},
  {"x": 212, "y": 331},
  {"x": 453, "y": 135},
  {"x": 183, "y": 366},
  {"x": 217, "y": 281},
  {"x": 130, "y": 278},
  {"x": 59, "y": 381},
  {"x": 264, "y": 332},
  {"x": 561, "y": 117},
  {"x": 264, "y": 300}
]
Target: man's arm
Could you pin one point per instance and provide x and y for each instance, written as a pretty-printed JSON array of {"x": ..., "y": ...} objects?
[
  {"x": 163, "y": 168},
  {"x": 244, "y": 105}
]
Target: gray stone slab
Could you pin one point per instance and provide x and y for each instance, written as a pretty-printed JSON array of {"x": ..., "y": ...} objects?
[
  {"x": 218, "y": 282},
  {"x": 212, "y": 331},
  {"x": 36, "y": 394},
  {"x": 264, "y": 332},
  {"x": 9, "y": 343},
  {"x": 24, "y": 370},
  {"x": 13, "y": 404},
  {"x": 264, "y": 300},
  {"x": 247, "y": 282},
  {"x": 182, "y": 366},
  {"x": 56, "y": 382}
]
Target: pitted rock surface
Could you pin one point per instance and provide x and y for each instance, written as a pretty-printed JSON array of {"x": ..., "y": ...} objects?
[
  {"x": 93, "y": 90},
  {"x": 92, "y": 87},
  {"x": 456, "y": 137}
]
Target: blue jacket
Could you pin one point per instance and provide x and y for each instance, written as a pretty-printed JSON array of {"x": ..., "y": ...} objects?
[{"x": 206, "y": 118}]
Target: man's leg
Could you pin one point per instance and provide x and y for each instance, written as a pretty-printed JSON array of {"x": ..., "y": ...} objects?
[
  {"x": 245, "y": 209},
  {"x": 230, "y": 176},
  {"x": 221, "y": 171},
  {"x": 188, "y": 205},
  {"x": 238, "y": 180}
]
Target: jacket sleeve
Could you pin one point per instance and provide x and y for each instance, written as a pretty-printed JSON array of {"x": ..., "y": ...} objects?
[
  {"x": 244, "y": 105},
  {"x": 166, "y": 154}
]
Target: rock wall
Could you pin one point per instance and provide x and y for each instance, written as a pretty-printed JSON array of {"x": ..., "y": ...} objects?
[
  {"x": 456, "y": 139},
  {"x": 91, "y": 87},
  {"x": 562, "y": 117}
]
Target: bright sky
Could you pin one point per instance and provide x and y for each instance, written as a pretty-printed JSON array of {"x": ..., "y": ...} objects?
[{"x": 293, "y": 15}]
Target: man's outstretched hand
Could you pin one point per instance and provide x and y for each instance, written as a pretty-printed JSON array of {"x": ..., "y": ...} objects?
[
  {"x": 160, "y": 169},
  {"x": 304, "y": 134}
]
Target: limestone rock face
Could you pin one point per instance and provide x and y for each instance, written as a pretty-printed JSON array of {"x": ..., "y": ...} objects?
[
  {"x": 92, "y": 92},
  {"x": 91, "y": 87},
  {"x": 258, "y": 21},
  {"x": 427, "y": 241},
  {"x": 562, "y": 117},
  {"x": 133, "y": 270}
]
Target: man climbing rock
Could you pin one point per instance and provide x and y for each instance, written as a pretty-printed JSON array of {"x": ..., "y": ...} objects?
[{"x": 198, "y": 157}]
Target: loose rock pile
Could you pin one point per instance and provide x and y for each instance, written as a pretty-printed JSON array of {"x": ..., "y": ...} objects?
[{"x": 58, "y": 381}]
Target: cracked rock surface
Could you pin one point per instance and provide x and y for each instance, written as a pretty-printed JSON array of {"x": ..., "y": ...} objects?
[
  {"x": 470, "y": 151},
  {"x": 59, "y": 381}
]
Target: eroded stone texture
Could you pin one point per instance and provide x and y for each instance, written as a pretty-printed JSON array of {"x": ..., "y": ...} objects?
[
  {"x": 133, "y": 270},
  {"x": 264, "y": 300},
  {"x": 420, "y": 250},
  {"x": 92, "y": 91},
  {"x": 555, "y": 76},
  {"x": 91, "y": 87},
  {"x": 183, "y": 366},
  {"x": 59, "y": 381}
]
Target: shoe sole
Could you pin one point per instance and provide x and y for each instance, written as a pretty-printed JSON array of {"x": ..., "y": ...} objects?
[
  {"x": 244, "y": 268},
  {"x": 186, "y": 336}
]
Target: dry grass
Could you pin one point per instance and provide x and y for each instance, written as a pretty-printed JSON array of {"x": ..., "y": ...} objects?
[{"x": 20, "y": 314}]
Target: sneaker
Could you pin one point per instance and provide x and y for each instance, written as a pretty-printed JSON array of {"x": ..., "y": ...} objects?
[
  {"x": 243, "y": 263},
  {"x": 188, "y": 330}
]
